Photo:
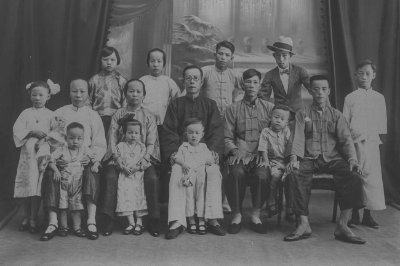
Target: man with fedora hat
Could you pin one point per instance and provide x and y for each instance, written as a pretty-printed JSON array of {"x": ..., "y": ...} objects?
[{"x": 287, "y": 78}]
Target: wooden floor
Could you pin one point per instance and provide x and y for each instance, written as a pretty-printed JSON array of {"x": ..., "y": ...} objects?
[{"x": 246, "y": 248}]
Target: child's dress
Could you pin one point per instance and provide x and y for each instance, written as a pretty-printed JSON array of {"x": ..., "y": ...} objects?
[
  {"x": 365, "y": 111},
  {"x": 27, "y": 181},
  {"x": 130, "y": 195},
  {"x": 185, "y": 201},
  {"x": 71, "y": 177}
]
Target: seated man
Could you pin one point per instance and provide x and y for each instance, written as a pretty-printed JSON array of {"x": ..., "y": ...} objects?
[
  {"x": 244, "y": 122},
  {"x": 193, "y": 105},
  {"x": 322, "y": 142}
]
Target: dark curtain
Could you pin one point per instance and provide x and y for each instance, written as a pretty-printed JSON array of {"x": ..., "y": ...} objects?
[
  {"x": 43, "y": 39},
  {"x": 363, "y": 29},
  {"x": 152, "y": 28}
]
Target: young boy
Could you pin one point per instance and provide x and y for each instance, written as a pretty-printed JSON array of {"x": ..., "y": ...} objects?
[
  {"x": 107, "y": 87},
  {"x": 220, "y": 83},
  {"x": 160, "y": 89},
  {"x": 287, "y": 79},
  {"x": 272, "y": 145},
  {"x": 70, "y": 177},
  {"x": 365, "y": 110}
]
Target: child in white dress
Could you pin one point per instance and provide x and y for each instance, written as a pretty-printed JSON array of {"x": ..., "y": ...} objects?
[
  {"x": 365, "y": 110},
  {"x": 131, "y": 199},
  {"x": 32, "y": 125},
  {"x": 193, "y": 163}
]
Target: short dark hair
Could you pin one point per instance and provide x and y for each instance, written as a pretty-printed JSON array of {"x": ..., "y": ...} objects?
[
  {"x": 192, "y": 67},
  {"x": 225, "y": 44},
  {"x": 192, "y": 121},
  {"x": 38, "y": 84},
  {"x": 364, "y": 63},
  {"x": 318, "y": 77},
  {"x": 282, "y": 107},
  {"x": 75, "y": 125},
  {"x": 129, "y": 120},
  {"x": 108, "y": 50},
  {"x": 133, "y": 80},
  {"x": 249, "y": 73},
  {"x": 164, "y": 55}
]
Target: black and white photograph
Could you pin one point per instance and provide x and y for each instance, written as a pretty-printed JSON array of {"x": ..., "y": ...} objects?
[{"x": 200, "y": 132}]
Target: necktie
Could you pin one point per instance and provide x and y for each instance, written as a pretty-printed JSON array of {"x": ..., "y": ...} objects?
[{"x": 284, "y": 71}]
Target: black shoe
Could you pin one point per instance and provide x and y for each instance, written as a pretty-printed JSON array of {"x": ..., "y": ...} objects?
[
  {"x": 192, "y": 229},
  {"x": 108, "y": 230},
  {"x": 48, "y": 236},
  {"x": 63, "y": 231},
  {"x": 138, "y": 230},
  {"x": 234, "y": 228},
  {"x": 33, "y": 229},
  {"x": 92, "y": 235},
  {"x": 295, "y": 237},
  {"x": 258, "y": 228},
  {"x": 23, "y": 227},
  {"x": 174, "y": 233},
  {"x": 201, "y": 229},
  {"x": 154, "y": 227},
  {"x": 79, "y": 232},
  {"x": 218, "y": 229},
  {"x": 370, "y": 222}
]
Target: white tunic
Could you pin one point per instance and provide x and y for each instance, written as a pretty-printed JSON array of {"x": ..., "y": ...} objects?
[
  {"x": 160, "y": 91},
  {"x": 28, "y": 181},
  {"x": 365, "y": 110},
  {"x": 94, "y": 130}
]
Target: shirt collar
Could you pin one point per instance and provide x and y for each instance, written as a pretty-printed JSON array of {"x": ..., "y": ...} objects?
[
  {"x": 248, "y": 102},
  {"x": 316, "y": 108},
  {"x": 112, "y": 74},
  {"x": 190, "y": 98}
]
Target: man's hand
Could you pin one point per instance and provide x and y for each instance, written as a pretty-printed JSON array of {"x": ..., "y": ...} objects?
[
  {"x": 261, "y": 162},
  {"x": 36, "y": 134},
  {"x": 95, "y": 167},
  {"x": 237, "y": 156},
  {"x": 293, "y": 164},
  {"x": 354, "y": 166},
  {"x": 56, "y": 175},
  {"x": 85, "y": 160}
]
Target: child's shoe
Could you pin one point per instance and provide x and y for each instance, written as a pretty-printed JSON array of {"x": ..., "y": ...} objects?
[
  {"x": 79, "y": 232},
  {"x": 138, "y": 230},
  {"x": 63, "y": 231}
]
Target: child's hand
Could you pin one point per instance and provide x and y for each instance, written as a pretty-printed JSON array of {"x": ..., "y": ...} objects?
[
  {"x": 61, "y": 163},
  {"x": 126, "y": 171},
  {"x": 186, "y": 181},
  {"x": 85, "y": 160},
  {"x": 57, "y": 175},
  {"x": 36, "y": 134},
  {"x": 95, "y": 167},
  {"x": 210, "y": 162},
  {"x": 185, "y": 169}
]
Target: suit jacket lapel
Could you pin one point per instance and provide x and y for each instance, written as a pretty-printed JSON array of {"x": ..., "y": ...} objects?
[
  {"x": 292, "y": 78},
  {"x": 278, "y": 82}
]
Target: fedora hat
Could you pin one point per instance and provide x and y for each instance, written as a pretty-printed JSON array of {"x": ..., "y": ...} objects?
[{"x": 284, "y": 44}]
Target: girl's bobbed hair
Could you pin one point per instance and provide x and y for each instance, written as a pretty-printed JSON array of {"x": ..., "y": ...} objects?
[{"x": 109, "y": 50}]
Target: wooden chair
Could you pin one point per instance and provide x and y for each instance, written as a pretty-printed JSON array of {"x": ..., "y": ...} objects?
[{"x": 320, "y": 181}]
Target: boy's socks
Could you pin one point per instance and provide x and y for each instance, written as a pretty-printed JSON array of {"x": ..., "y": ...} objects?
[
  {"x": 237, "y": 218},
  {"x": 255, "y": 216}
]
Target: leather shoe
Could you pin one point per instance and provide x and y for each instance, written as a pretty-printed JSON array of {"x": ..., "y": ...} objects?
[
  {"x": 48, "y": 236},
  {"x": 370, "y": 223},
  {"x": 23, "y": 227},
  {"x": 154, "y": 227},
  {"x": 92, "y": 235},
  {"x": 234, "y": 228},
  {"x": 258, "y": 228},
  {"x": 350, "y": 239},
  {"x": 174, "y": 233},
  {"x": 218, "y": 229},
  {"x": 295, "y": 237},
  {"x": 108, "y": 230}
]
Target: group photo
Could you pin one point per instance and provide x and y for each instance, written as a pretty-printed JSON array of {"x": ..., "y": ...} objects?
[{"x": 210, "y": 132}]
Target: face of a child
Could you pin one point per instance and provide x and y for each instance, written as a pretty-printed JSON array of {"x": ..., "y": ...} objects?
[
  {"x": 74, "y": 138},
  {"x": 192, "y": 81},
  {"x": 320, "y": 91},
  {"x": 134, "y": 93},
  {"x": 279, "y": 119},
  {"x": 132, "y": 133},
  {"x": 223, "y": 57},
  {"x": 252, "y": 87},
  {"x": 194, "y": 133},
  {"x": 156, "y": 63},
  {"x": 365, "y": 75},
  {"x": 282, "y": 59},
  {"x": 39, "y": 96},
  {"x": 78, "y": 92},
  {"x": 109, "y": 63}
]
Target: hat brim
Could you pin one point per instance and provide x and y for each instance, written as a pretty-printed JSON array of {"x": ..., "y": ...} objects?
[{"x": 276, "y": 49}]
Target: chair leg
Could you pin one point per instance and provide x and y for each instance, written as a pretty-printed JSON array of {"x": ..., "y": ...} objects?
[{"x": 335, "y": 206}]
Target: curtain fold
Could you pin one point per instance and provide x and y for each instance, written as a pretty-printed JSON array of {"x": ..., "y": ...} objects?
[
  {"x": 44, "y": 39},
  {"x": 363, "y": 29},
  {"x": 125, "y": 11}
]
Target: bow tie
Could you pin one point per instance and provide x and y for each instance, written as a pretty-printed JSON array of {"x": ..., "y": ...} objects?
[{"x": 284, "y": 71}]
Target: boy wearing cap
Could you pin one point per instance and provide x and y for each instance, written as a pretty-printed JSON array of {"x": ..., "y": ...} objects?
[{"x": 287, "y": 78}]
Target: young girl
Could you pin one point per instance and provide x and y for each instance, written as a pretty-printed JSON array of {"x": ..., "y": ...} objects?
[
  {"x": 131, "y": 200},
  {"x": 193, "y": 162},
  {"x": 365, "y": 110},
  {"x": 70, "y": 177},
  {"x": 32, "y": 125},
  {"x": 107, "y": 87},
  {"x": 161, "y": 89}
]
